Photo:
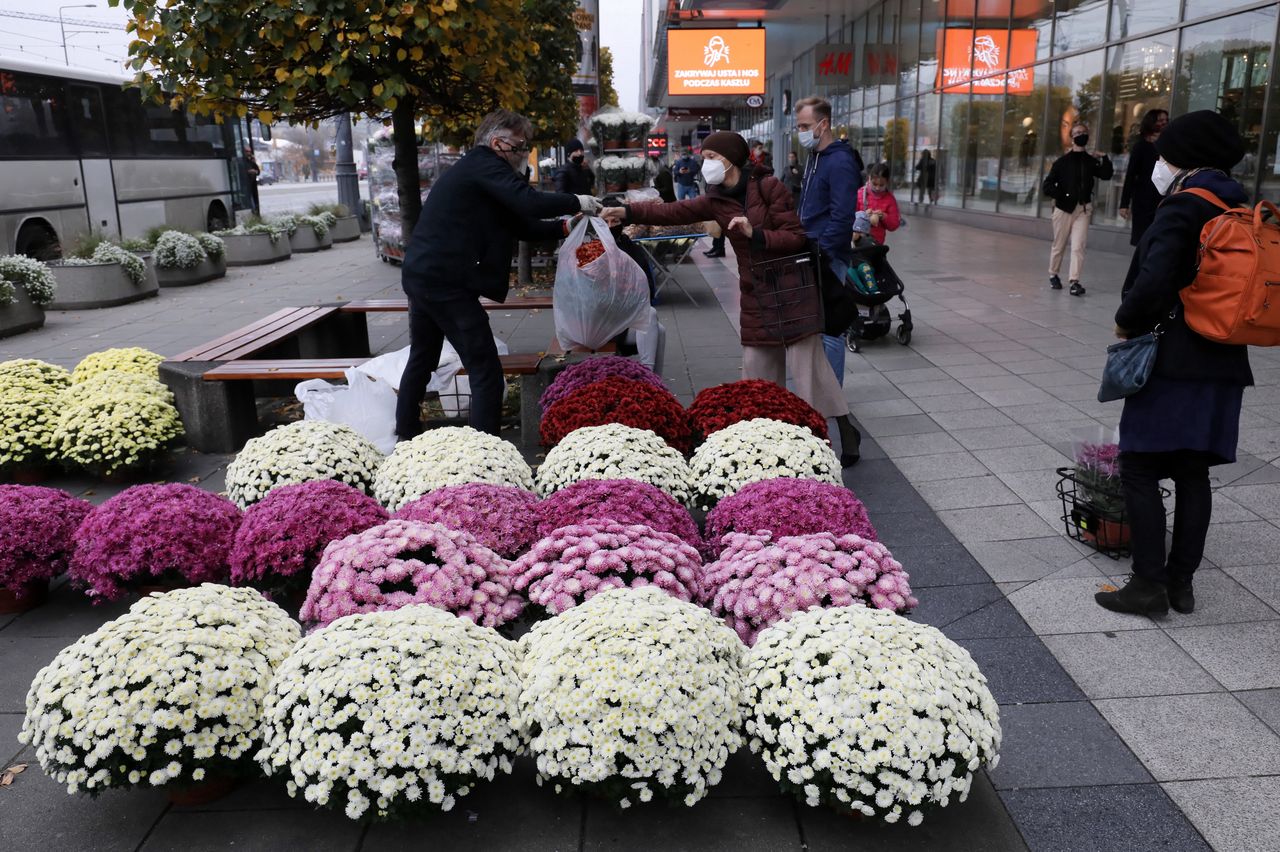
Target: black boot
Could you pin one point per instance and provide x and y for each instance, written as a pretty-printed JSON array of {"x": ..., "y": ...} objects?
[
  {"x": 1055, "y": 283},
  {"x": 850, "y": 441},
  {"x": 1139, "y": 596},
  {"x": 1182, "y": 598}
]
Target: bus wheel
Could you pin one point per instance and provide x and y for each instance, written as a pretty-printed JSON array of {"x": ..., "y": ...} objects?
[
  {"x": 218, "y": 220},
  {"x": 38, "y": 240}
]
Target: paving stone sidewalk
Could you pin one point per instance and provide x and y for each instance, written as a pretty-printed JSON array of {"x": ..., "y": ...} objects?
[{"x": 1119, "y": 733}]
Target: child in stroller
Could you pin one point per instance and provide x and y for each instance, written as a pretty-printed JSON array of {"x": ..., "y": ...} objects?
[{"x": 870, "y": 277}]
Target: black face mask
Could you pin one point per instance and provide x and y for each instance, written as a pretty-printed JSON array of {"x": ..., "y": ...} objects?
[
  {"x": 577, "y": 158},
  {"x": 1081, "y": 140}
]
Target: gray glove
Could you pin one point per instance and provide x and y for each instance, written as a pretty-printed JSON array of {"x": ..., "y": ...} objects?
[{"x": 590, "y": 204}]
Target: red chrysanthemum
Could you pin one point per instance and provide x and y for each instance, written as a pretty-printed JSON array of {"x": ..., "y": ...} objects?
[
  {"x": 719, "y": 407},
  {"x": 617, "y": 400}
]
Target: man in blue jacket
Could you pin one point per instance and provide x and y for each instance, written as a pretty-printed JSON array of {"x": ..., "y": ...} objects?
[
  {"x": 460, "y": 251},
  {"x": 828, "y": 198},
  {"x": 686, "y": 176}
]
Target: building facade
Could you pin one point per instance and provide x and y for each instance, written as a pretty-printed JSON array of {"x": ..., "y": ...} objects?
[{"x": 991, "y": 87}]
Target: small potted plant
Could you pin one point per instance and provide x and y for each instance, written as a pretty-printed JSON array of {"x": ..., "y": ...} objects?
[
  {"x": 100, "y": 274},
  {"x": 1099, "y": 502},
  {"x": 255, "y": 242},
  {"x": 606, "y": 126},
  {"x": 183, "y": 259},
  {"x": 346, "y": 225},
  {"x": 612, "y": 172},
  {"x": 26, "y": 289}
]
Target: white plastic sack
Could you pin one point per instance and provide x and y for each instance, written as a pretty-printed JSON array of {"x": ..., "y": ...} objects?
[
  {"x": 365, "y": 404},
  {"x": 389, "y": 366},
  {"x": 595, "y": 303}
]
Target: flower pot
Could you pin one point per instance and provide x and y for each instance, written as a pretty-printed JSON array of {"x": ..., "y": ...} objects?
[
  {"x": 614, "y": 144},
  {"x": 1108, "y": 534},
  {"x": 29, "y": 474},
  {"x": 28, "y": 596},
  {"x": 305, "y": 240},
  {"x": 202, "y": 792},
  {"x": 22, "y": 315},
  {"x": 256, "y": 249},
  {"x": 98, "y": 285},
  {"x": 347, "y": 229},
  {"x": 633, "y": 143},
  {"x": 207, "y": 270},
  {"x": 615, "y": 186}
]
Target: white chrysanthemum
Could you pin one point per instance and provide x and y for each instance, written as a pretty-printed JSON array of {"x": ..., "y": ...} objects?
[
  {"x": 614, "y": 451},
  {"x": 303, "y": 451},
  {"x": 176, "y": 250},
  {"x": 385, "y": 713},
  {"x": 866, "y": 711},
  {"x": 169, "y": 692},
  {"x": 632, "y": 694},
  {"x": 453, "y": 455},
  {"x": 21, "y": 271},
  {"x": 758, "y": 449}
]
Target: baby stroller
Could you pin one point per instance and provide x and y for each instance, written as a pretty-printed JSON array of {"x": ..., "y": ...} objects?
[{"x": 873, "y": 283}]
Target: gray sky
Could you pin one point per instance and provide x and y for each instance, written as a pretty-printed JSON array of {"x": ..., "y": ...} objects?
[{"x": 106, "y": 51}]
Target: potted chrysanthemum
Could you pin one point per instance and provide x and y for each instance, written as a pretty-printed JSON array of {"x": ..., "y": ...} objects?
[
  {"x": 183, "y": 259},
  {"x": 30, "y": 404},
  {"x": 255, "y": 242},
  {"x": 307, "y": 233},
  {"x": 302, "y": 451},
  {"x": 27, "y": 287},
  {"x": 100, "y": 274},
  {"x": 345, "y": 227},
  {"x": 37, "y": 543}
]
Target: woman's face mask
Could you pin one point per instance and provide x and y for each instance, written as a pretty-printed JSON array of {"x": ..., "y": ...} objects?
[
  {"x": 713, "y": 172},
  {"x": 1163, "y": 176}
]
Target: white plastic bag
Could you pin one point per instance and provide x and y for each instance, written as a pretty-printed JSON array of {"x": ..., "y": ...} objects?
[
  {"x": 365, "y": 404},
  {"x": 389, "y": 367},
  {"x": 595, "y": 303}
]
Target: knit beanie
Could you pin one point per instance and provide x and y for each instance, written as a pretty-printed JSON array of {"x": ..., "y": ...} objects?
[
  {"x": 729, "y": 145},
  {"x": 574, "y": 144},
  {"x": 1201, "y": 139}
]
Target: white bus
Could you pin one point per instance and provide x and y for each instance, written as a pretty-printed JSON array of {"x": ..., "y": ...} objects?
[{"x": 80, "y": 153}]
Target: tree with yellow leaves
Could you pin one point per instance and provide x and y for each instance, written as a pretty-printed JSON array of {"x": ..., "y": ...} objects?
[{"x": 443, "y": 63}]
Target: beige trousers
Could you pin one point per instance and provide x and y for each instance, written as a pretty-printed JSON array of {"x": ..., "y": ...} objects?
[
  {"x": 1073, "y": 226},
  {"x": 814, "y": 379}
]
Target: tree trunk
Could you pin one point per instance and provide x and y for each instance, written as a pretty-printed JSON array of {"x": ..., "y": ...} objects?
[
  {"x": 525, "y": 264},
  {"x": 408, "y": 179}
]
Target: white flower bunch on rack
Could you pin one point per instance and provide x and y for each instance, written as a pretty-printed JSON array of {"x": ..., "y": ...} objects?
[
  {"x": 384, "y": 714},
  {"x": 169, "y": 693},
  {"x": 865, "y": 711},
  {"x": 752, "y": 450},
  {"x": 303, "y": 451},
  {"x": 631, "y": 694}
]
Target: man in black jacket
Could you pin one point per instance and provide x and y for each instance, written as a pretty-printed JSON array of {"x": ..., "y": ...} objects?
[
  {"x": 1070, "y": 185},
  {"x": 575, "y": 178},
  {"x": 460, "y": 251}
]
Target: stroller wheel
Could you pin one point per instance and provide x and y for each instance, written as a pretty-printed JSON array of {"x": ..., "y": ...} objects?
[
  {"x": 851, "y": 340},
  {"x": 904, "y": 334}
]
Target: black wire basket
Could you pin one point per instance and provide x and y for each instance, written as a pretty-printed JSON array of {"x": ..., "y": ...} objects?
[
  {"x": 786, "y": 289},
  {"x": 1094, "y": 513}
]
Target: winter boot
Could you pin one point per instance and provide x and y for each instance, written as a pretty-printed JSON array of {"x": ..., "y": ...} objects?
[
  {"x": 1182, "y": 597},
  {"x": 1139, "y": 596}
]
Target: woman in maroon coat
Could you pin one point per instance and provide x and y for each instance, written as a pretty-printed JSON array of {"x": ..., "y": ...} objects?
[{"x": 757, "y": 214}]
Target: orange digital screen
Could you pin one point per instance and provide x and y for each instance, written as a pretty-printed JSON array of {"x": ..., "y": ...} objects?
[
  {"x": 715, "y": 62},
  {"x": 979, "y": 61}
]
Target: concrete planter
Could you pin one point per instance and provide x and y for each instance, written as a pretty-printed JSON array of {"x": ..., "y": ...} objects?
[
  {"x": 346, "y": 230},
  {"x": 304, "y": 240},
  {"x": 206, "y": 271},
  {"x": 256, "y": 249},
  {"x": 98, "y": 285},
  {"x": 22, "y": 315}
]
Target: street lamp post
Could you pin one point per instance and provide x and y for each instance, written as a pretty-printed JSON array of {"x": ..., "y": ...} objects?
[
  {"x": 348, "y": 179},
  {"x": 66, "y": 59}
]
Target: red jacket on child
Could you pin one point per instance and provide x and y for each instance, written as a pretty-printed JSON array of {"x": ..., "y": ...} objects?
[{"x": 880, "y": 203}]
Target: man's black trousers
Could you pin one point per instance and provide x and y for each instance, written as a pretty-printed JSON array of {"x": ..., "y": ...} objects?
[{"x": 465, "y": 324}]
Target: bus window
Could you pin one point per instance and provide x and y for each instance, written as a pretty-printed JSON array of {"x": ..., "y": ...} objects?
[
  {"x": 33, "y": 117},
  {"x": 125, "y": 121},
  {"x": 85, "y": 109}
]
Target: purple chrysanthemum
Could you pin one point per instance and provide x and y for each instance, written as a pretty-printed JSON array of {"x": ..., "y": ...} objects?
[
  {"x": 625, "y": 501},
  {"x": 786, "y": 506},
  {"x": 501, "y": 517},
  {"x": 36, "y": 529},
  {"x": 593, "y": 370}
]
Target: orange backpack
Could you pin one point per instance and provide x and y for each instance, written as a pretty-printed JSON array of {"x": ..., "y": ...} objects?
[{"x": 1235, "y": 297}]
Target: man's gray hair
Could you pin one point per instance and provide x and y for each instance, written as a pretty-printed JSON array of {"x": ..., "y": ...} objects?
[{"x": 502, "y": 120}]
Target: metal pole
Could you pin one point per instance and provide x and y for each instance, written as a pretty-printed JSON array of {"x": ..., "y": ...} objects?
[
  {"x": 66, "y": 59},
  {"x": 345, "y": 171}
]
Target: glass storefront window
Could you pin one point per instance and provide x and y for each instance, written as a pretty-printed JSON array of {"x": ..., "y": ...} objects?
[
  {"x": 1081, "y": 24},
  {"x": 1139, "y": 78},
  {"x": 1224, "y": 66},
  {"x": 909, "y": 49},
  {"x": 930, "y": 25},
  {"x": 1075, "y": 89},
  {"x": 1131, "y": 17},
  {"x": 899, "y": 137},
  {"x": 1022, "y": 150},
  {"x": 1201, "y": 8},
  {"x": 887, "y": 52},
  {"x": 986, "y": 130}
]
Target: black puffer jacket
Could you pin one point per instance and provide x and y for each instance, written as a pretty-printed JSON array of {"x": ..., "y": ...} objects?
[{"x": 1164, "y": 264}]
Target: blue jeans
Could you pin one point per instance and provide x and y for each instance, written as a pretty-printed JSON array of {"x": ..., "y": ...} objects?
[
  {"x": 834, "y": 347},
  {"x": 685, "y": 192}
]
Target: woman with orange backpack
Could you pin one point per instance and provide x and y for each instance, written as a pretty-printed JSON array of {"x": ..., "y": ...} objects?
[{"x": 1186, "y": 417}]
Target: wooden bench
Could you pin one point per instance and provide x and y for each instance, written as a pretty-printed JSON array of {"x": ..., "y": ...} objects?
[
  {"x": 310, "y": 331},
  {"x": 241, "y": 374}
]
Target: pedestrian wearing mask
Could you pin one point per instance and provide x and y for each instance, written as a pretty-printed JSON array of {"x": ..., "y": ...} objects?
[
  {"x": 686, "y": 176},
  {"x": 828, "y": 199},
  {"x": 460, "y": 250},
  {"x": 575, "y": 178},
  {"x": 756, "y": 212},
  {"x": 1186, "y": 418},
  {"x": 1139, "y": 197},
  {"x": 877, "y": 200},
  {"x": 1070, "y": 185}
]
